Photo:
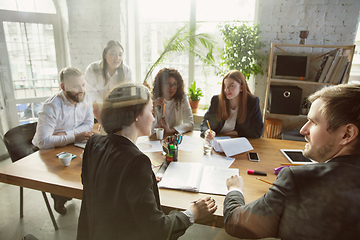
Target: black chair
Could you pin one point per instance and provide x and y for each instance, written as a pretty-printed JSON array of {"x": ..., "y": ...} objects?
[{"x": 18, "y": 143}]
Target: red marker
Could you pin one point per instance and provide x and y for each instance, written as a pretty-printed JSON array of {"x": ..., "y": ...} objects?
[{"x": 254, "y": 172}]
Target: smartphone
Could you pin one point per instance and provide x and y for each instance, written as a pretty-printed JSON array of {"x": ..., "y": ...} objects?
[
  {"x": 73, "y": 155},
  {"x": 254, "y": 157}
]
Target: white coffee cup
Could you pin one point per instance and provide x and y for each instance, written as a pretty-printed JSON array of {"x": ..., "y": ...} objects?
[
  {"x": 65, "y": 159},
  {"x": 159, "y": 133}
]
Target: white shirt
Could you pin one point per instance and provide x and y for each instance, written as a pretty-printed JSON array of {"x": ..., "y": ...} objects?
[
  {"x": 59, "y": 115},
  {"x": 180, "y": 119},
  {"x": 230, "y": 123},
  {"x": 169, "y": 113},
  {"x": 95, "y": 81}
]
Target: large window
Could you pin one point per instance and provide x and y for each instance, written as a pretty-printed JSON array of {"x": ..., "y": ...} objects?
[
  {"x": 38, "y": 6},
  {"x": 159, "y": 19},
  {"x": 30, "y": 56}
]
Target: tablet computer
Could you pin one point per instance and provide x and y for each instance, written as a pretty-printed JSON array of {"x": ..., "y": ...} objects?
[{"x": 296, "y": 156}]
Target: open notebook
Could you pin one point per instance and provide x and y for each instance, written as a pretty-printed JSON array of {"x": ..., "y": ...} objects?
[{"x": 197, "y": 177}]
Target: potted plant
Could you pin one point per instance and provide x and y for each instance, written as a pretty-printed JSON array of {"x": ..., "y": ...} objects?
[
  {"x": 194, "y": 96},
  {"x": 186, "y": 40},
  {"x": 241, "y": 50}
]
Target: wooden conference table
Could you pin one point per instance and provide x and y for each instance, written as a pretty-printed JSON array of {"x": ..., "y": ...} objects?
[{"x": 43, "y": 171}]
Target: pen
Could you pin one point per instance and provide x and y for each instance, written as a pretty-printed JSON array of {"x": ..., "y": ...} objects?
[
  {"x": 178, "y": 138},
  {"x": 207, "y": 121},
  {"x": 164, "y": 110},
  {"x": 254, "y": 172},
  {"x": 277, "y": 170},
  {"x": 264, "y": 181}
]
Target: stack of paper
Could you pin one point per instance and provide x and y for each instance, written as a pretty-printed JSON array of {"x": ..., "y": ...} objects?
[{"x": 232, "y": 146}]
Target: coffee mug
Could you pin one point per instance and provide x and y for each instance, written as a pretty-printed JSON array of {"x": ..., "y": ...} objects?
[
  {"x": 65, "y": 159},
  {"x": 159, "y": 133}
]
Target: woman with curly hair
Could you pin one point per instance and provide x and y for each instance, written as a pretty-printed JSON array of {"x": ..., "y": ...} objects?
[
  {"x": 235, "y": 112},
  {"x": 171, "y": 105}
]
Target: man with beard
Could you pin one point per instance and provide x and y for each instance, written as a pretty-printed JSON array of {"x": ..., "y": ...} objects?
[
  {"x": 65, "y": 118},
  {"x": 315, "y": 201}
]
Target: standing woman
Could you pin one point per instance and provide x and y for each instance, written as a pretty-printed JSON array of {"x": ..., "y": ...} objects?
[
  {"x": 235, "y": 112},
  {"x": 104, "y": 75},
  {"x": 168, "y": 92},
  {"x": 120, "y": 194}
]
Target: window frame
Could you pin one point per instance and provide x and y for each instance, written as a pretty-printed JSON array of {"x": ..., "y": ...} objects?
[
  {"x": 134, "y": 37},
  {"x": 10, "y": 101}
]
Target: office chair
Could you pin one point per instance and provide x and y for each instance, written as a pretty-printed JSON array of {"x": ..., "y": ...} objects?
[{"x": 18, "y": 143}]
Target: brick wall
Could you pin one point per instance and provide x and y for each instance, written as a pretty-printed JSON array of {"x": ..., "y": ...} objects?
[
  {"x": 91, "y": 25},
  {"x": 329, "y": 22}
]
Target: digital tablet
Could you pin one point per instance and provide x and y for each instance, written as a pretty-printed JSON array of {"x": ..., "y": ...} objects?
[{"x": 296, "y": 156}]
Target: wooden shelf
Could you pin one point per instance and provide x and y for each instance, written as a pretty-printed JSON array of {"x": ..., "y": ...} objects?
[
  {"x": 311, "y": 85},
  {"x": 313, "y": 46},
  {"x": 276, "y": 80}
]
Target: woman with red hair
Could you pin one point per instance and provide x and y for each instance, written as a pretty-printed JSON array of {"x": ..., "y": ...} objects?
[{"x": 235, "y": 112}]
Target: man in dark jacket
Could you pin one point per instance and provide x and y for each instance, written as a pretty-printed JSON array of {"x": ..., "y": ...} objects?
[{"x": 316, "y": 201}]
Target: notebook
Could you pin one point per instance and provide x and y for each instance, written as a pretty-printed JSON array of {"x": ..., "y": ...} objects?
[{"x": 197, "y": 177}]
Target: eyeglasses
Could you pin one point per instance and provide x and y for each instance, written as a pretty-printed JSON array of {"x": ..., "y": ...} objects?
[{"x": 168, "y": 85}]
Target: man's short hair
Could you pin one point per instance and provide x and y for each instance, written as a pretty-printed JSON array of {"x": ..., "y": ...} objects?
[
  {"x": 123, "y": 105},
  {"x": 341, "y": 105},
  {"x": 69, "y": 71}
]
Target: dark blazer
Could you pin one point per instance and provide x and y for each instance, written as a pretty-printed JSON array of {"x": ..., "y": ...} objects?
[
  {"x": 252, "y": 127},
  {"x": 317, "y": 201},
  {"x": 120, "y": 196}
]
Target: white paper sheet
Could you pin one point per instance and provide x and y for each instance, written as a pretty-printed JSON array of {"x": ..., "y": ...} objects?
[
  {"x": 190, "y": 143},
  {"x": 149, "y": 146},
  {"x": 214, "y": 179},
  {"x": 222, "y": 137},
  {"x": 235, "y": 146},
  {"x": 80, "y": 144},
  {"x": 180, "y": 130},
  {"x": 196, "y": 177},
  {"x": 183, "y": 176},
  {"x": 216, "y": 160}
]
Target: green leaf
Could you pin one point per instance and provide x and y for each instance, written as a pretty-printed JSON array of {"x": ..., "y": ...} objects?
[
  {"x": 194, "y": 92},
  {"x": 242, "y": 43},
  {"x": 184, "y": 40}
]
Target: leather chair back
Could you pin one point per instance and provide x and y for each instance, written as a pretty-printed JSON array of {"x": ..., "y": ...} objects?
[{"x": 18, "y": 141}]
